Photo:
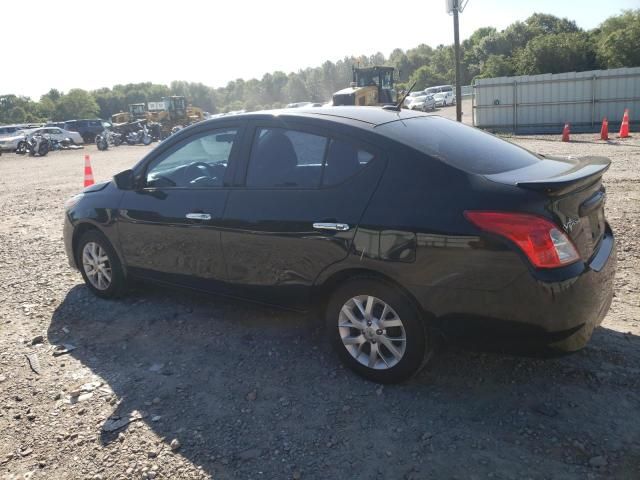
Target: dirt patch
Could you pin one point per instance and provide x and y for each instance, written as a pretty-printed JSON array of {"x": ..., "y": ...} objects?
[{"x": 167, "y": 384}]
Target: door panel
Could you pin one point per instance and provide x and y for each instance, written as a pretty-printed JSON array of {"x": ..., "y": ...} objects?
[
  {"x": 159, "y": 241},
  {"x": 169, "y": 229},
  {"x": 272, "y": 251}
]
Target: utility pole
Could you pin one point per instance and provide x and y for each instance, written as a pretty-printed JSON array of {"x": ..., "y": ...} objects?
[{"x": 456, "y": 45}]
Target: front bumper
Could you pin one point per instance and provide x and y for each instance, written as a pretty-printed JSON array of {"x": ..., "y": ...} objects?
[
  {"x": 561, "y": 314},
  {"x": 67, "y": 233}
]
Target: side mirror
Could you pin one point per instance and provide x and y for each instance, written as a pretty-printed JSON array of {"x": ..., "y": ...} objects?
[{"x": 125, "y": 180}]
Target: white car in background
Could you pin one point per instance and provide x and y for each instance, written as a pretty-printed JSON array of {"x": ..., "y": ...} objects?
[
  {"x": 411, "y": 96},
  {"x": 57, "y": 133},
  {"x": 9, "y": 130},
  {"x": 444, "y": 98},
  {"x": 10, "y": 143},
  {"x": 423, "y": 102}
]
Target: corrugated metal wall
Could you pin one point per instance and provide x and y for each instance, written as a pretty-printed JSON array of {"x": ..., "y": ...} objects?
[{"x": 543, "y": 103}]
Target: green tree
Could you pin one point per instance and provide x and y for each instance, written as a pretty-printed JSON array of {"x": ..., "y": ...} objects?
[
  {"x": 563, "y": 52},
  {"x": 77, "y": 103},
  {"x": 618, "y": 41},
  {"x": 17, "y": 115}
]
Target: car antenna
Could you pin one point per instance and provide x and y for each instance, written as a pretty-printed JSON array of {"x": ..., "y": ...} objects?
[{"x": 399, "y": 104}]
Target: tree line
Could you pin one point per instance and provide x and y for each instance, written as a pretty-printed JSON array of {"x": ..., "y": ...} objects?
[{"x": 541, "y": 44}]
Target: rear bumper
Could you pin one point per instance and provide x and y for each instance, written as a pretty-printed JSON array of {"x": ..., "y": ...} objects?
[{"x": 562, "y": 314}]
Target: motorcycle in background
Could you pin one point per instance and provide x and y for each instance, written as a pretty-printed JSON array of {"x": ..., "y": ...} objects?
[
  {"x": 108, "y": 138},
  {"x": 139, "y": 136},
  {"x": 34, "y": 145}
]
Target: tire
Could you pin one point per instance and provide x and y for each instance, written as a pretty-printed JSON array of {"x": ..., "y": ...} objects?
[
  {"x": 146, "y": 140},
  {"x": 387, "y": 367},
  {"x": 102, "y": 143},
  {"x": 117, "y": 284},
  {"x": 43, "y": 149}
]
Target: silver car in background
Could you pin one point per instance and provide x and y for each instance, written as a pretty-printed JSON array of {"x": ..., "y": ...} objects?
[{"x": 423, "y": 102}]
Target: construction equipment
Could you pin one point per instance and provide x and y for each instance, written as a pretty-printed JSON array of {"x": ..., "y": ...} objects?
[
  {"x": 173, "y": 112},
  {"x": 137, "y": 111},
  {"x": 370, "y": 86},
  {"x": 170, "y": 112}
]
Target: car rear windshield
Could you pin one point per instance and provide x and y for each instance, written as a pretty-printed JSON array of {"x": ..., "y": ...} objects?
[{"x": 461, "y": 146}]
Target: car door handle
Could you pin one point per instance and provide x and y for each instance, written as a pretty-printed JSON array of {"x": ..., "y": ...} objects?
[
  {"x": 339, "y": 227},
  {"x": 198, "y": 216}
]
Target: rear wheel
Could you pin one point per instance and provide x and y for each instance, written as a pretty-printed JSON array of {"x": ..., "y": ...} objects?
[
  {"x": 99, "y": 265},
  {"x": 376, "y": 330}
]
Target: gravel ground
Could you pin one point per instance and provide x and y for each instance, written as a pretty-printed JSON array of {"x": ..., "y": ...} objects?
[{"x": 168, "y": 384}]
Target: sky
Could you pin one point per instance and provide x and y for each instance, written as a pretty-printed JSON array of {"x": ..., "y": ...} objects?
[{"x": 89, "y": 44}]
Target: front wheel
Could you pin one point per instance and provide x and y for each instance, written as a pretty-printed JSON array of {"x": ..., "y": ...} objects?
[
  {"x": 377, "y": 331},
  {"x": 99, "y": 265},
  {"x": 102, "y": 143},
  {"x": 21, "y": 149}
]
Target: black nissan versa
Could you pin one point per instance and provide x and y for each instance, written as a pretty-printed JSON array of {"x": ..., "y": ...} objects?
[{"x": 397, "y": 224}]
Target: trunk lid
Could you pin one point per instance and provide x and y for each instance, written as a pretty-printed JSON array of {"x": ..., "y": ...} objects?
[{"x": 577, "y": 196}]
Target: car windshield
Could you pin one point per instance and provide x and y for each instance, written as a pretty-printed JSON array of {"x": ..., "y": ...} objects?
[{"x": 461, "y": 146}]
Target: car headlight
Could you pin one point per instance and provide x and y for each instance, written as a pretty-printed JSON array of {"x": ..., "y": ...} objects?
[{"x": 71, "y": 202}]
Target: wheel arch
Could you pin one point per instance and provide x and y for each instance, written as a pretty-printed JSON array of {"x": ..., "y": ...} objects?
[
  {"x": 323, "y": 290},
  {"x": 83, "y": 227}
]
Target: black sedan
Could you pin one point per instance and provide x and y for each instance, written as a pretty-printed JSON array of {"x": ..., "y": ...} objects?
[{"x": 398, "y": 225}]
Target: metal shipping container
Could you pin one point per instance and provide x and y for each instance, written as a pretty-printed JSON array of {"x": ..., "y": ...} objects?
[{"x": 544, "y": 103}]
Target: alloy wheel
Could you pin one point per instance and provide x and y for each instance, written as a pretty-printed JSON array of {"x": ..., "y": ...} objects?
[
  {"x": 96, "y": 265},
  {"x": 372, "y": 332}
]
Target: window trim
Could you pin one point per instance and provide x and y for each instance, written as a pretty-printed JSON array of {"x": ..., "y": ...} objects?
[
  {"x": 329, "y": 134},
  {"x": 233, "y": 159}
]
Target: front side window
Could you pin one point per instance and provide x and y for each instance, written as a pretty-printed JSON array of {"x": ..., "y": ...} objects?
[
  {"x": 200, "y": 162},
  {"x": 282, "y": 158}
]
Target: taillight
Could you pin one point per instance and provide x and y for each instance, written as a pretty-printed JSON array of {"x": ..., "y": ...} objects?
[{"x": 544, "y": 244}]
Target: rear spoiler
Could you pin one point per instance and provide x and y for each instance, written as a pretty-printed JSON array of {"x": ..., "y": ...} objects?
[{"x": 556, "y": 176}]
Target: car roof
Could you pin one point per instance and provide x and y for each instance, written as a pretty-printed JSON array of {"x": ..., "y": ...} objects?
[{"x": 361, "y": 116}]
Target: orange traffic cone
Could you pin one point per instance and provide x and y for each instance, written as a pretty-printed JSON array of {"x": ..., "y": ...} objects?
[
  {"x": 565, "y": 133},
  {"x": 624, "y": 128},
  {"x": 604, "y": 131},
  {"x": 88, "y": 173}
]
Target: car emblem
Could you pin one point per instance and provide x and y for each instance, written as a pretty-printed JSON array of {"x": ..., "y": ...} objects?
[{"x": 570, "y": 223}]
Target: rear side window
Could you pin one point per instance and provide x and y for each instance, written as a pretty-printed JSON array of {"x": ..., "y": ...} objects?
[
  {"x": 290, "y": 158},
  {"x": 344, "y": 160},
  {"x": 286, "y": 158},
  {"x": 461, "y": 146}
]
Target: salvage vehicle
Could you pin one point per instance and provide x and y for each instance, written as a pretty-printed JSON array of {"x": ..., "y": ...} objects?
[{"x": 397, "y": 225}]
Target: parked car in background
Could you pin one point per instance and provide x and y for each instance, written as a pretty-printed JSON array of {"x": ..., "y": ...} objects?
[
  {"x": 9, "y": 130},
  {"x": 411, "y": 96},
  {"x": 443, "y": 95},
  {"x": 57, "y": 124},
  {"x": 10, "y": 142},
  {"x": 59, "y": 134},
  {"x": 299, "y": 104},
  {"x": 423, "y": 102},
  {"x": 394, "y": 223},
  {"x": 87, "y": 128}
]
